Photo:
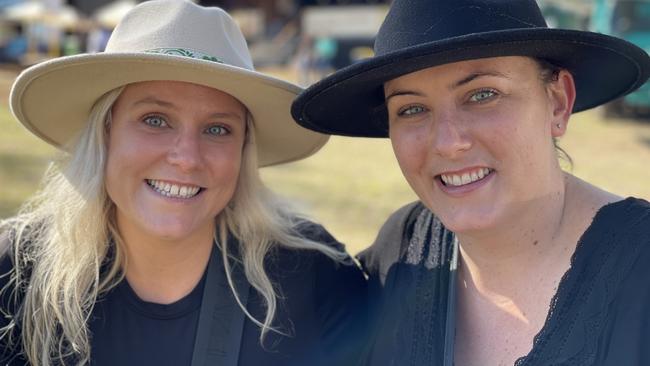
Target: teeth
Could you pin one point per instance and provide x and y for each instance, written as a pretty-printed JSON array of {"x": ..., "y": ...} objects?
[
  {"x": 173, "y": 190},
  {"x": 465, "y": 178}
]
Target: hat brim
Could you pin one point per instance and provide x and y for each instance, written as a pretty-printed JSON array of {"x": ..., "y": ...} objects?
[
  {"x": 53, "y": 99},
  {"x": 350, "y": 102}
]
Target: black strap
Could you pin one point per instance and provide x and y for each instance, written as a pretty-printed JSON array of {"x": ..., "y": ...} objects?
[
  {"x": 450, "y": 323},
  {"x": 221, "y": 320}
]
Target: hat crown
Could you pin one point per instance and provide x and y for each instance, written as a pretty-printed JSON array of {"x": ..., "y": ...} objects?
[
  {"x": 410, "y": 23},
  {"x": 180, "y": 27}
]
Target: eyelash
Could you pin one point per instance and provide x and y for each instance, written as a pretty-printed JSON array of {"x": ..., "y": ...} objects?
[
  {"x": 147, "y": 120},
  {"x": 492, "y": 93},
  {"x": 488, "y": 95},
  {"x": 163, "y": 123},
  {"x": 223, "y": 130},
  {"x": 408, "y": 110}
]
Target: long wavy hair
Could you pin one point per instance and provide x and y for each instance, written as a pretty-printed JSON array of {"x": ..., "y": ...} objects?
[{"x": 67, "y": 250}]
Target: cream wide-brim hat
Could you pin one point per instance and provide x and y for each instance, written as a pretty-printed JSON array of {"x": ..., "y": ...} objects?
[{"x": 173, "y": 40}]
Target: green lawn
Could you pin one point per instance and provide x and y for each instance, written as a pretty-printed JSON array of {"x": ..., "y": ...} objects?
[{"x": 352, "y": 185}]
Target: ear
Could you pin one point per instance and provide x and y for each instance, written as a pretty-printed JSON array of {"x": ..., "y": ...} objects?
[{"x": 562, "y": 94}]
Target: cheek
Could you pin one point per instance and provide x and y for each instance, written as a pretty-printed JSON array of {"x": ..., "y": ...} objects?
[
  {"x": 225, "y": 164},
  {"x": 411, "y": 150},
  {"x": 128, "y": 156},
  {"x": 518, "y": 143}
]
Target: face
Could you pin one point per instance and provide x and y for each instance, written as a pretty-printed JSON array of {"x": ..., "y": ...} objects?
[
  {"x": 174, "y": 155},
  {"x": 474, "y": 139}
]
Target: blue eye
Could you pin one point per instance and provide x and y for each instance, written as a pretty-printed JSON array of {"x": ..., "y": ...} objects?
[
  {"x": 217, "y": 130},
  {"x": 155, "y": 121},
  {"x": 482, "y": 95},
  {"x": 411, "y": 110}
]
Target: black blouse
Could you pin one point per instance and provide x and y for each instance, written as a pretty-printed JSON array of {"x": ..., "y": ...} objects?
[{"x": 600, "y": 314}]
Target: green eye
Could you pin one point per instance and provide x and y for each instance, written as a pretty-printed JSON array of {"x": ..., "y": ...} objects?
[
  {"x": 482, "y": 95},
  {"x": 155, "y": 121},
  {"x": 411, "y": 110},
  {"x": 217, "y": 130}
]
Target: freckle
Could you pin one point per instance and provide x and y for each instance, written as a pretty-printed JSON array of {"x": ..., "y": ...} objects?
[{"x": 535, "y": 242}]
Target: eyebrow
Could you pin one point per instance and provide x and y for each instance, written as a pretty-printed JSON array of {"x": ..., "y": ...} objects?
[
  {"x": 162, "y": 103},
  {"x": 454, "y": 85},
  {"x": 477, "y": 75},
  {"x": 398, "y": 92},
  {"x": 153, "y": 100}
]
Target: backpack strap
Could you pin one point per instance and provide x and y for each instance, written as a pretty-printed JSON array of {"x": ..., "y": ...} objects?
[{"x": 221, "y": 319}]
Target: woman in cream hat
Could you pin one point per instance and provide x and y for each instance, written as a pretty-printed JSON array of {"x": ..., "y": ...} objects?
[
  {"x": 153, "y": 240},
  {"x": 507, "y": 259}
]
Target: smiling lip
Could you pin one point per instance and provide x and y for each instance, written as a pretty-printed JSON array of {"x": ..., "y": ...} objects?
[
  {"x": 464, "y": 181},
  {"x": 173, "y": 189}
]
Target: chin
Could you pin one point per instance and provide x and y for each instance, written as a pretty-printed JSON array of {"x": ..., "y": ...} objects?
[
  {"x": 171, "y": 230},
  {"x": 467, "y": 219}
]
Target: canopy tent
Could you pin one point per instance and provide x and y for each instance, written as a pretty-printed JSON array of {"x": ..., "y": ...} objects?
[
  {"x": 111, "y": 14},
  {"x": 63, "y": 16}
]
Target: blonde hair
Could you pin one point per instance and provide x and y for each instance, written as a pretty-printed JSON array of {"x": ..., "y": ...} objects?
[{"x": 67, "y": 250}]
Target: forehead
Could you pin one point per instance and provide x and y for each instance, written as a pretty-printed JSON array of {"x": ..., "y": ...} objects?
[
  {"x": 178, "y": 92},
  {"x": 513, "y": 67}
]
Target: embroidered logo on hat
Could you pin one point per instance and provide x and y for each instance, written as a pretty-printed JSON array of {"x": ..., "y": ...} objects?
[{"x": 185, "y": 53}]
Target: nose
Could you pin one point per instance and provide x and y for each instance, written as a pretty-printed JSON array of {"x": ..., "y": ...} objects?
[
  {"x": 185, "y": 153},
  {"x": 449, "y": 136}
]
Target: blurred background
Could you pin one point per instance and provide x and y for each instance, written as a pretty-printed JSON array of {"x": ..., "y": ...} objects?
[{"x": 352, "y": 185}]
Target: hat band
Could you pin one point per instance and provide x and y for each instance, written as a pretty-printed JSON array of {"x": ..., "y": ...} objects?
[{"x": 184, "y": 52}]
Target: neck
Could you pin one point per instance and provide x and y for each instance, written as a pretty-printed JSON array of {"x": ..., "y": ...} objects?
[
  {"x": 508, "y": 277},
  {"x": 498, "y": 259},
  {"x": 164, "y": 271}
]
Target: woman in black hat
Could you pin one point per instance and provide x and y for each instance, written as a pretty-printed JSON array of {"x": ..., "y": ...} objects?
[
  {"x": 153, "y": 240},
  {"x": 473, "y": 94}
]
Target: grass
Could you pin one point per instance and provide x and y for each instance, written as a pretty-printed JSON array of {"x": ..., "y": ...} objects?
[
  {"x": 23, "y": 159},
  {"x": 352, "y": 185}
]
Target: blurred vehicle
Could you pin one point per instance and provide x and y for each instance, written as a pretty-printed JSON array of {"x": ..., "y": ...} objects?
[
  {"x": 630, "y": 20},
  {"x": 566, "y": 14},
  {"x": 335, "y": 36}
]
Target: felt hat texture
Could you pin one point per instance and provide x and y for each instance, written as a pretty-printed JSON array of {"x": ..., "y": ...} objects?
[
  {"x": 418, "y": 34},
  {"x": 173, "y": 40}
]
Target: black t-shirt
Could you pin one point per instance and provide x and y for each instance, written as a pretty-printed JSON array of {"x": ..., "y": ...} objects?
[
  {"x": 129, "y": 331},
  {"x": 321, "y": 311}
]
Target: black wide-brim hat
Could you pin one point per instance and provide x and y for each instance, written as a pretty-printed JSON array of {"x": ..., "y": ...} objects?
[{"x": 418, "y": 34}]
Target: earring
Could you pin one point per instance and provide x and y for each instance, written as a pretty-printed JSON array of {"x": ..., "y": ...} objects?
[{"x": 558, "y": 125}]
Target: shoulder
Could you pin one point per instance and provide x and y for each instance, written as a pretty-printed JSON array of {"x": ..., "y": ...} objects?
[
  {"x": 626, "y": 222},
  {"x": 5, "y": 243},
  {"x": 630, "y": 224},
  {"x": 6, "y": 258},
  {"x": 615, "y": 251},
  {"x": 8, "y": 304},
  {"x": 392, "y": 236},
  {"x": 322, "y": 297},
  {"x": 623, "y": 281},
  {"x": 619, "y": 236},
  {"x": 316, "y": 232},
  {"x": 628, "y": 213},
  {"x": 313, "y": 265}
]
